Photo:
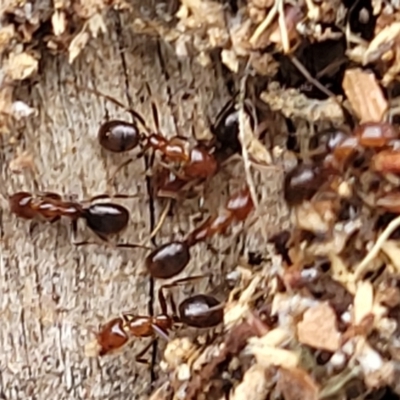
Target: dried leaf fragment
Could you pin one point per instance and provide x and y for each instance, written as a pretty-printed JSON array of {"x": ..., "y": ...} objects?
[
  {"x": 22, "y": 161},
  {"x": 317, "y": 217},
  {"x": 365, "y": 95},
  {"x": 297, "y": 384},
  {"x": 292, "y": 16},
  {"x": 6, "y": 35},
  {"x": 254, "y": 382},
  {"x": 382, "y": 43},
  {"x": 318, "y": 328},
  {"x": 77, "y": 45},
  {"x": 294, "y": 104},
  {"x": 268, "y": 356},
  {"x": 377, "y": 371},
  {"x": 59, "y": 22},
  {"x": 256, "y": 150},
  {"x": 20, "y": 110},
  {"x": 196, "y": 13},
  {"x": 392, "y": 250},
  {"x": 363, "y": 301},
  {"x": 21, "y": 66}
]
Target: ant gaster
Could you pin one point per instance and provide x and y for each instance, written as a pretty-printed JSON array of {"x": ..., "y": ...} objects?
[
  {"x": 103, "y": 219},
  {"x": 171, "y": 258},
  {"x": 198, "y": 311}
]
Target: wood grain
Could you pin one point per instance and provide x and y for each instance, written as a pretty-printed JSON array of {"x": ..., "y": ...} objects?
[{"x": 52, "y": 295}]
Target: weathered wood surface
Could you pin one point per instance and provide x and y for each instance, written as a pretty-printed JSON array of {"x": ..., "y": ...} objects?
[{"x": 51, "y": 293}]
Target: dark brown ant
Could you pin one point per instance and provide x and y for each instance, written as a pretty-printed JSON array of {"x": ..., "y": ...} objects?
[
  {"x": 198, "y": 311},
  {"x": 119, "y": 136},
  {"x": 104, "y": 219},
  {"x": 169, "y": 259},
  {"x": 226, "y": 127},
  {"x": 303, "y": 182}
]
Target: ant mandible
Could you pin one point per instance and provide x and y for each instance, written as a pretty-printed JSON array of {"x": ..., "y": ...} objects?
[
  {"x": 198, "y": 311},
  {"x": 104, "y": 219},
  {"x": 169, "y": 259}
]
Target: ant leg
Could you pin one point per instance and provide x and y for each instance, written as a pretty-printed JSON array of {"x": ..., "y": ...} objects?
[
  {"x": 177, "y": 282},
  {"x": 49, "y": 195},
  {"x": 184, "y": 281},
  {"x": 110, "y": 181},
  {"x": 108, "y": 196},
  {"x": 33, "y": 225},
  {"x": 134, "y": 246},
  {"x": 84, "y": 243},
  {"x": 161, "y": 332},
  {"x": 96, "y": 92},
  {"x": 139, "y": 357}
]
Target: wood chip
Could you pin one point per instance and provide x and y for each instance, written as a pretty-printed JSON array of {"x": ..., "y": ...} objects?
[
  {"x": 21, "y": 66},
  {"x": 382, "y": 43},
  {"x": 6, "y": 35},
  {"x": 59, "y": 23},
  {"x": 365, "y": 95},
  {"x": 293, "y": 104},
  {"x": 23, "y": 160},
  {"x": 297, "y": 384},
  {"x": 363, "y": 301},
  {"x": 318, "y": 328},
  {"x": 77, "y": 45},
  {"x": 254, "y": 383}
]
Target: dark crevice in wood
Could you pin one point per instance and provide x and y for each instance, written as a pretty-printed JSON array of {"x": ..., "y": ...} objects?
[
  {"x": 148, "y": 165},
  {"x": 167, "y": 80}
]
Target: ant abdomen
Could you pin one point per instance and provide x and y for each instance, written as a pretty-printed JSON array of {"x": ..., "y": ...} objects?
[
  {"x": 241, "y": 204},
  {"x": 106, "y": 218},
  {"x": 201, "y": 311},
  {"x": 20, "y": 205},
  {"x": 119, "y": 136},
  {"x": 168, "y": 260}
]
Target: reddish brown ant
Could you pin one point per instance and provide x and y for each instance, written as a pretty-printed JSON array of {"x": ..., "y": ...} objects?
[
  {"x": 169, "y": 259},
  {"x": 104, "y": 219},
  {"x": 198, "y": 311},
  {"x": 371, "y": 135},
  {"x": 192, "y": 161},
  {"x": 337, "y": 148}
]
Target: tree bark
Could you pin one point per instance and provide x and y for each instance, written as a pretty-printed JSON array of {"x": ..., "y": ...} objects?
[{"x": 54, "y": 295}]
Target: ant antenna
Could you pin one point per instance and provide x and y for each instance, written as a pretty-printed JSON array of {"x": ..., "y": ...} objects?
[{"x": 96, "y": 92}]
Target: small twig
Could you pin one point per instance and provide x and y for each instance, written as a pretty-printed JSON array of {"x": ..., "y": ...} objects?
[
  {"x": 242, "y": 138},
  {"x": 360, "y": 269},
  {"x": 283, "y": 28},
  {"x": 265, "y": 23},
  {"x": 160, "y": 222},
  {"x": 310, "y": 79}
]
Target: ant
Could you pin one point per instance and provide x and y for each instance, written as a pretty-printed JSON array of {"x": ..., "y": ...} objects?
[
  {"x": 104, "y": 219},
  {"x": 226, "y": 127},
  {"x": 339, "y": 146},
  {"x": 336, "y": 150},
  {"x": 169, "y": 259},
  {"x": 198, "y": 311},
  {"x": 193, "y": 161}
]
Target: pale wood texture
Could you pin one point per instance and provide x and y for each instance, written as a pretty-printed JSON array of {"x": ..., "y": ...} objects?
[{"x": 51, "y": 293}]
